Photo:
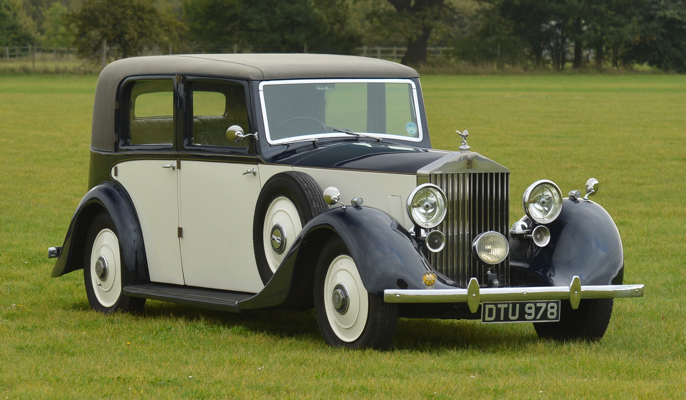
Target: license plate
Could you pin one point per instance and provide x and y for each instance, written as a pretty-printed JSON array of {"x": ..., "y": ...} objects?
[{"x": 521, "y": 311}]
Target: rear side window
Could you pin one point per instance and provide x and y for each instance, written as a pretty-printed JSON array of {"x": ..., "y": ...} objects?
[{"x": 151, "y": 113}]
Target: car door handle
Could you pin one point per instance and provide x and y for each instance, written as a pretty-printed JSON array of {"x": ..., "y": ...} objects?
[
  {"x": 172, "y": 166},
  {"x": 250, "y": 171}
]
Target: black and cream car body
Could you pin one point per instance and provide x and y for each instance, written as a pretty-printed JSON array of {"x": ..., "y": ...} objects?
[{"x": 243, "y": 182}]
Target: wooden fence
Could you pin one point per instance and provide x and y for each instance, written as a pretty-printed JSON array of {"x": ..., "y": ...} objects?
[{"x": 33, "y": 54}]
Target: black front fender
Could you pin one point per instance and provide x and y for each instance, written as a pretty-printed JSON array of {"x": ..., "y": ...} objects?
[
  {"x": 584, "y": 241},
  {"x": 384, "y": 252},
  {"x": 112, "y": 198}
]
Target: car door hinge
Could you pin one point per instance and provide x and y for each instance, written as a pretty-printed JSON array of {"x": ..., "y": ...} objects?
[
  {"x": 178, "y": 164},
  {"x": 180, "y": 232}
]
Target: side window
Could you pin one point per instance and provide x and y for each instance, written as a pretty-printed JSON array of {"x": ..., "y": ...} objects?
[
  {"x": 151, "y": 113},
  {"x": 215, "y": 107}
]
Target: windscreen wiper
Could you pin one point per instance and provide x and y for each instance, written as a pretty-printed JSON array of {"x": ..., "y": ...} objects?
[{"x": 349, "y": 132}]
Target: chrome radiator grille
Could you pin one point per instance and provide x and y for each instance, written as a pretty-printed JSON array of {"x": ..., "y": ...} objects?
[{"x": 477, "y": 202}]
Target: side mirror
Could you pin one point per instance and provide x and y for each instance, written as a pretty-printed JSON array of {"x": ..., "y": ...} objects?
[
  {"x": 236, "y": 133},
  {"x": 592, "y": 187}
]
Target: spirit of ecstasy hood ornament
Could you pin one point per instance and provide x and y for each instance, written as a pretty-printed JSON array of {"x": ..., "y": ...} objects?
[{"x": 463, "y": 135}]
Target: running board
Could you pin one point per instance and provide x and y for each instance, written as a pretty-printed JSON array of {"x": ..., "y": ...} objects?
[{"x": 213, "y": 299}]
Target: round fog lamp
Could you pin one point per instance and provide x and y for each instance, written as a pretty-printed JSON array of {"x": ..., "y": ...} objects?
[
  {"x": 542, "y": 201},
  {"x": 491, "y": 247},
  {"x": 426, "y": 205}
]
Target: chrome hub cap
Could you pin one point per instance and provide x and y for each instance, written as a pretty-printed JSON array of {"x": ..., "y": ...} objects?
[
  {"x": 340, "y": 299},
  {"x": 278, "y": 238},
  {"x": 101, "y": 268}
]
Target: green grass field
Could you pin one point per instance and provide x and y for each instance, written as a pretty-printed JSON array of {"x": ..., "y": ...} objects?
[{"x": 627, "y": 131}]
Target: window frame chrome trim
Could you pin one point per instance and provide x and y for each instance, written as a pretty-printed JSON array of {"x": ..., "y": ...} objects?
[{"x": 305, "y": 138}]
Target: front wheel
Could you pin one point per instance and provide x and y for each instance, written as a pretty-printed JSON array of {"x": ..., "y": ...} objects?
[
  {"x": 589, "y": 322},
  {"x": 102, "y": 270},
  {"x": 348, "y": 316}
]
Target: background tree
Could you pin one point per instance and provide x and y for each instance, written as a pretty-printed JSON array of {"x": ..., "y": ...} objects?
[
  {"x": 55, "y": 30},
  {"x": 661, "y": 41},
  {"x": 491, "y": 39},
  {"x": 16, "y": 27},
  {"x": 272, "y": 25},
  {"x": 414, "y": 20},
  {"x": 127, "y": 25}
]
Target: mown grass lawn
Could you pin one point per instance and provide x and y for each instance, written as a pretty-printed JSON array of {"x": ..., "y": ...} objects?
[{"x": 627, "y": 131}]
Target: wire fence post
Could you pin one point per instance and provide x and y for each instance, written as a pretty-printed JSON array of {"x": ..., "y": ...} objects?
[
  {"x": 104, "y": 53},
  {"x": 32, "y": 49}
]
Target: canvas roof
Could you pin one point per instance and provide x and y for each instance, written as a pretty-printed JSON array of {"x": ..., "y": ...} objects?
[{"x": 238, "y": 66}]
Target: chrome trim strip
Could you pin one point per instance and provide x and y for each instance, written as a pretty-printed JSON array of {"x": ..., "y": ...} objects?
[{"x": 574, "y": 293}]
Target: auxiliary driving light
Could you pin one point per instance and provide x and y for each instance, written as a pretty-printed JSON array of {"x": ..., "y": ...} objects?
[{"x": 491, "y": 247}]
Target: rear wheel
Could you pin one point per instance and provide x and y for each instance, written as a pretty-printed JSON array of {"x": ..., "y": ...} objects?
[
  {"x": 102, "y": 270},
  {"x": 589, "y": 322},
  {"x": 348, "y": 316}
]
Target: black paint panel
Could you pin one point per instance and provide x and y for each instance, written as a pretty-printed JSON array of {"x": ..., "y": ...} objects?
[
  {"x": 386, "y": 256},
  {"x": 113, "y": 198},
  {"x": 584, "y": 241},
  {"x": 364, "y": 156}
]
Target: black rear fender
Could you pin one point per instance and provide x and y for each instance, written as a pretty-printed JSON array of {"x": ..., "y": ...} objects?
[{"x": 113, "y": 199}]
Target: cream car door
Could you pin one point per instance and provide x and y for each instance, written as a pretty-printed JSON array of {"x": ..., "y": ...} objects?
[{"x": 218, "y": 189}]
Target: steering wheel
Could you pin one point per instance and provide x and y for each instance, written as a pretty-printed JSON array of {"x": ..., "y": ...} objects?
[{"x": 301, "y": 125}]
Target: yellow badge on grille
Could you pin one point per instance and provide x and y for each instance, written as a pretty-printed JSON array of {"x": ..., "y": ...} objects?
[{"x": 429, "y": 280}]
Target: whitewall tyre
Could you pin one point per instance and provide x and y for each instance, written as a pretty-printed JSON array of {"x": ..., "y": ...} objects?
[
  {"x": 282, "y": 223},
  {"x": 102, "y": 269},
  {"x": 348, "y": 316}
]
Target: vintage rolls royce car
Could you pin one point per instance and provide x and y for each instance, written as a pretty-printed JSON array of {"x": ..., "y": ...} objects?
[{"x": 251, "y": 181}]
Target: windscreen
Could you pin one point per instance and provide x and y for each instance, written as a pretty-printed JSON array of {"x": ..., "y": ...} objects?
[{"x": 307, "y": 109}]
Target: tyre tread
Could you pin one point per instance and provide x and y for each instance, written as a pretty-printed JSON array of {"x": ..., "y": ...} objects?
[{"x": 589, "y": 322}]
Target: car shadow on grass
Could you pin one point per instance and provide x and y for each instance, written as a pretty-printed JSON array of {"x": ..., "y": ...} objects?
[
  {"x": 300, "y": 325},
  {"x": 441, "y": 335},
  {"x": 411, "y": 334}
]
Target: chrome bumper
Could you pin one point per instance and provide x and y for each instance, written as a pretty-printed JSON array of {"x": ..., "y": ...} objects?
[{"x": 473, "y": 295}]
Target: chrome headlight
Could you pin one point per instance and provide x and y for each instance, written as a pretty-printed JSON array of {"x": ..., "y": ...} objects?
[
  {"x": 542, "y": 201},
  {"x": 491, "y": 247},
  {"x": 427, "y": 205}
]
